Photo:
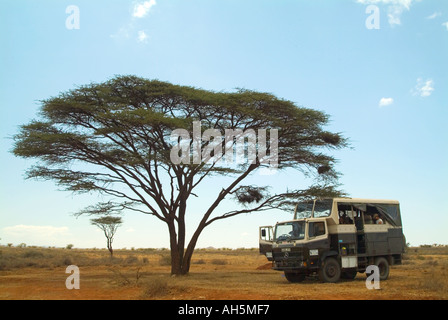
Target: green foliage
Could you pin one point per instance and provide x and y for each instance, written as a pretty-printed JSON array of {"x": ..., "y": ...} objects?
[
  {"x": 126, "y": 122},
  {"x": 107, "y": 221}
]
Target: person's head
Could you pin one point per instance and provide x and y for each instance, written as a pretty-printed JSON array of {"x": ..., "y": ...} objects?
[{"x": 376, "y": 216}]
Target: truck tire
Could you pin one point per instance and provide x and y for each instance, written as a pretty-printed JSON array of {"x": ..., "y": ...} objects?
[
  {"x": 294, "y": 277},
  {"x": 383, "y": 266},
  {"x": 330, "y": 271}
]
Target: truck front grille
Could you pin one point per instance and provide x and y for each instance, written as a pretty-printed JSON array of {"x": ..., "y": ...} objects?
[{"x": 288, "y": 256}]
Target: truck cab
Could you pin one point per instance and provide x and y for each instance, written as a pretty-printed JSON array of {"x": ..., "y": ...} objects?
[{"x": 336, "y": 238}]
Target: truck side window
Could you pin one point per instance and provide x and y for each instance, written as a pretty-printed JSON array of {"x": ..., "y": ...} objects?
[
  {"x": 345, "y": 214},
  {"x": 316, "y": 229}
]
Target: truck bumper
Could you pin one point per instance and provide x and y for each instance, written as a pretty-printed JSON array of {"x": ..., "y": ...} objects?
[{"x": 290, "y": 265}]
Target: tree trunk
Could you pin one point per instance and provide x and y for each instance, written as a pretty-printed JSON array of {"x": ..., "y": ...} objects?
[
  {"x": 190, "y": 249},
  {"x": 177, "y": 251},
  {"x": 109, "y": 247},
  {"x": 181, "y": 257}
]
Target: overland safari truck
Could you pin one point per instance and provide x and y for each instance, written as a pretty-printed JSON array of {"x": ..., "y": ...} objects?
[{"x": 336, "y": 238}]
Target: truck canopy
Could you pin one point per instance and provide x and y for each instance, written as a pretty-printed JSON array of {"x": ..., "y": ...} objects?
[
  {"x": 390, "y": 212},
  {"x": 388, "y": 209}
]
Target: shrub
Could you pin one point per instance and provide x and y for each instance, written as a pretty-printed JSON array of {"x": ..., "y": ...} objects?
[
  {"x": 67, "y": 261},
  {"x": 220, "y": 262},
  {"x": 156, "y": 288},
  {"x": 32, "y": 254},
  {"x": 131, "y": 260},
  {"x": 200, "y": 261},
  {"x": 165, "y": 260}
]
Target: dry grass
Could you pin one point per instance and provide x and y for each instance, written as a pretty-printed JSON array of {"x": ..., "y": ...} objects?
[
  {"x": 37, "y": 273},
  {"x": 435, "y": 275},
  {"x": 14, "y": 258},
  {"x": 435, "y": 282},
  {"x": 155, "y": 288}
]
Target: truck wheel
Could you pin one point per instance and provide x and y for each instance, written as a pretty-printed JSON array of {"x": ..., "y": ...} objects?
[
  {"x": 294, "y": 277},
  {"x": 330, "y": 271},
  {"x": 383, "y": 266}
]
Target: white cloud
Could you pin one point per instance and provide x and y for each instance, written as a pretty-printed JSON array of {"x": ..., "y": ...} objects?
[
  {"x": 142, "y": 36},
  {"x": 386, "y": 102},
  {"x": 35, "y": 235},
  {"x": 445, "y": 24},
  {"x": 423, "y": 88},
  {"x": 46, "y": 230},
  {"x": 394, "y": 8},
  {"x": 394, "y": 15},
  {"x": 404, "y": 3},
  {"x": 127, "y": 31},
  {"x": 141, "y": 9},
  {"x": 434, "y": 15},
  {"x": 122, "y": 33}
]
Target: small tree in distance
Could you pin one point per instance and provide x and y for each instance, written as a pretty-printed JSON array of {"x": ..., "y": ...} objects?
[{"x": 109, "y": 225}]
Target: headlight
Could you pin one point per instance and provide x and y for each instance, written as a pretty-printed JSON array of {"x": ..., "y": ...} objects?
[{"x": 268, "y": 254}]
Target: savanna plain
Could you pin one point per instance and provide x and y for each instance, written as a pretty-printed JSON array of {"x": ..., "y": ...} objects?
[{"x": 36, "y": 273}]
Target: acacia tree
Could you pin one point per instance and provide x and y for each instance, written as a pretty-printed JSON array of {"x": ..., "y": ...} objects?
[
  {"x": 109, "y": 225},
  {"x": 115, "y": 138}
]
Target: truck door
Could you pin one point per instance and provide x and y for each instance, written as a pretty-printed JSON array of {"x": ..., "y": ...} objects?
[{"x": 266, "y": 238}]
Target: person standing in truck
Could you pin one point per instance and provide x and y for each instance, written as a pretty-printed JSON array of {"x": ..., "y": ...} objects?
[{"x": 377, "y": 219}]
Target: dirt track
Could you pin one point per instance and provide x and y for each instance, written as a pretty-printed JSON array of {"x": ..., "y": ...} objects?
[{"x": 219, "y": 275}]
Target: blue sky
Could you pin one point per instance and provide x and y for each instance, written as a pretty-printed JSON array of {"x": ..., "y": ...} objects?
[{"x": 385, "y": 89}]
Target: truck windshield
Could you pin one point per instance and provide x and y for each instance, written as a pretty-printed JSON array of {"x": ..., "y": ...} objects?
[
  {"x": 322, "y": 208},
  {"x": 304, "y": 209},
  {"x": 286, "y": 231}
]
